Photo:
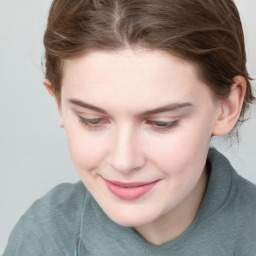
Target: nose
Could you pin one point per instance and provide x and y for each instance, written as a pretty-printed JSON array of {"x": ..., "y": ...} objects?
[{"x": 126, "y": 154}]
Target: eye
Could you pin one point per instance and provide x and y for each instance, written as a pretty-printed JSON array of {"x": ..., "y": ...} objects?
[
  {"x": 93, "y": 123},
  {"x": 162, "y": 125}
]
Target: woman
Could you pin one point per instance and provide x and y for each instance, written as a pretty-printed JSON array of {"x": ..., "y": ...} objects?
[{"x": 141, "y": 88}]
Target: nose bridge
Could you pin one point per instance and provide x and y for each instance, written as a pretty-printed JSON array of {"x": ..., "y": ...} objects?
[{"x": 126, "y": 153}]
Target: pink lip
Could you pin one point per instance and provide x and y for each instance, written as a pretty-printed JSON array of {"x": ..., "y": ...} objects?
[{"x": 129, "y": 191}]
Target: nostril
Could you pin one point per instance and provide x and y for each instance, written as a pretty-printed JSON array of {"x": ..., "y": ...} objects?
[{"x": 126, "y": 163}]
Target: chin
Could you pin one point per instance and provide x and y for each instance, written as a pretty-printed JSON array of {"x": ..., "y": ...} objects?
[
  {"x": 131, "y": 219},
  {"x": 131, "y": 222}
]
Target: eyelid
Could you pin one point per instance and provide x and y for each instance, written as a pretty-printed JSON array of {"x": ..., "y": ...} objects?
[
  {"x": 89, "y": 115},
  {"x": 86, "y": 119},
  {"x": 167, "y": 125},
  {"x": 89, "y": 125}
]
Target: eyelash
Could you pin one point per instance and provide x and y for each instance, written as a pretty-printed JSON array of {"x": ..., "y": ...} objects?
[
  {"x": 94, "y": 124},
  {"x": 162, "y": 125}
]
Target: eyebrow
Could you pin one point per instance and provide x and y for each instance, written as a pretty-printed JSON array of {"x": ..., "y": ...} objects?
[
  {"x": 166, "y": 108},
  {"x": 86, "y": 105}
]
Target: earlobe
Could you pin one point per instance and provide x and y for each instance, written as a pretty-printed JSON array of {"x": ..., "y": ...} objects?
[
  {"x": 61, "y": 123},
  {"x": 47, "y": 84},
  {"x": 230, "y": 108}
]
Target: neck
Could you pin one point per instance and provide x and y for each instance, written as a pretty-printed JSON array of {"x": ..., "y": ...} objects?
[{"x": 175, "y": 222}]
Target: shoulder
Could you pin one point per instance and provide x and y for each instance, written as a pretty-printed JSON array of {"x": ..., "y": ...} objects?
[
  {"x": 61, "y": 202},
  {"x": 63, "y": 195},
  {"x": 61, "y": 205},
  {"x": 246, "y": 190},
  {"x": 245, "y": 211},
  {"x": 245, "y": 201},
  {"x": 225, "y": 175},
  {"x": 239, "y": 193},
  {"x": 230, "y": 201},
  {"x": 51, "y": 224}
]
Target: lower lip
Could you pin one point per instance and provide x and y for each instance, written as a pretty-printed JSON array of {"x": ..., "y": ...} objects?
[{"x": 129, "y": 193}]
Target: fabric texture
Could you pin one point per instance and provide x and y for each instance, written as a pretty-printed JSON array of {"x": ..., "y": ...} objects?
[{"x": 68, "y": 217}]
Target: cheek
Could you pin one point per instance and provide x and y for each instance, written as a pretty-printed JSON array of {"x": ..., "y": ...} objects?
[
  {"x": 183, "y": 150},
  {"x": 87, "y": 150}
]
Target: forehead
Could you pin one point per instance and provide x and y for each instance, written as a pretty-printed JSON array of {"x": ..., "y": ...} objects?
[
  {"x": 127, "y": 60},
  {"x": 130, "y": 76}
]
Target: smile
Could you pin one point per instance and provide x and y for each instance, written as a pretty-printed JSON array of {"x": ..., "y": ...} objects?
[{"x": 129, "y": 191}]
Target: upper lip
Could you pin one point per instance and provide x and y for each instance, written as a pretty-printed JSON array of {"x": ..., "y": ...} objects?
[{"x": 130, "y": 184}]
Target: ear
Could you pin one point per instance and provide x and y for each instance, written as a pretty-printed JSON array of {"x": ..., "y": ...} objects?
[
  {"x": 230, "y": 108},
  {"x": 47, "y": 84}
]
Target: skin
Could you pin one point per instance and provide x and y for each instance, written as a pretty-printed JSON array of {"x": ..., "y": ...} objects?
[{"x": 108, "y": 110}]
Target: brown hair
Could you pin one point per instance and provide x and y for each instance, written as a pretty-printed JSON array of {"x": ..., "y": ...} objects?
[{"x": 207, "y": 32}]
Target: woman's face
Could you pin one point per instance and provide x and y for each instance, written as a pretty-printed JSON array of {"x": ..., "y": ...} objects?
[{"x": 138, "y": 126}]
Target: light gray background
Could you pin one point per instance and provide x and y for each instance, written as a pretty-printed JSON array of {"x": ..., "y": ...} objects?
[{"x": 33, "y": 151}]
